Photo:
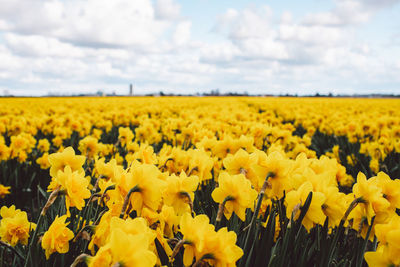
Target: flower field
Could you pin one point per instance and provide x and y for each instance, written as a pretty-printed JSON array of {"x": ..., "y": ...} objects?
[{"x": 135, "y": 181}]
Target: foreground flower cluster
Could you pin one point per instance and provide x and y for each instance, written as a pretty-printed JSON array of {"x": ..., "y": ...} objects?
[{"x": 177, "y": 184}]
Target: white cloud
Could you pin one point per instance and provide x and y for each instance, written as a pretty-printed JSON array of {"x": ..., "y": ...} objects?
[
  {"x": 349, "y": 12},
  {"x": 320, "y": 52},
  {"x": 224, "y": 20},
  {"x": 182, "y": 33},
  {"x": 167, "y": 9},
  {"x": 31, "y": 16},
  {"x": 218, "y": 54},
  {"x": 111, "y": 23},
  {"x": 8, "y": 61},
  {"x": 39, "y": 46},
  {"x": 97, "y": 23},
  {"x": 312, "y": 35},
  {"x": 83, "y": 46},
  {"x": 286, "y": 18},
  {"x": 248, "y": 23},
  {"x": 251, "y": 32}
]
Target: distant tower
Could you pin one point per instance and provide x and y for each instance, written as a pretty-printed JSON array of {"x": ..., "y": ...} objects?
[{"x": 130, "y": 89}]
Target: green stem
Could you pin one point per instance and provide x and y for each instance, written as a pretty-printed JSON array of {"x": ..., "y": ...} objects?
[
  {"x": 220, "y": 212},
  {"x": 2, "y": 257},
  {"x": 12, "y": 249},
  {"x": 111, "y": 187},
  {"x": 53, "y": 196},
  {"x": 340, "y": 229},
  {"x": 177, "y": 247},
  {"x": 193, "y": 170},
  {"x": 88, "y": 206},
  {"x": 364, "y": 244},
  {"x": 189, "y": 200},
  {"x": 126, "y": 201},
  {"x": 81, "y": 258},
  {"x": 39, "y": 222},
  {"x": 255, "y": 214},
  {"x": 199, "y": 262}
]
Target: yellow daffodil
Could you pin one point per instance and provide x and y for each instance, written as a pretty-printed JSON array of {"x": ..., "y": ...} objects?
[
  {"x": 123, "y": 241},
  {"x": 101, "y": 232},
  {"x": 335, "y": 204},
  {"x": 4, "y": 152},
  {"x": 240, "y": 192},
  {"x": 203, "y": 243},
  {"x": 179, "y": 192},
  {"x": 390, "y": 188},
  {"x": 371, "y": 195},
  {"x": 131, "y": 250},
  {"x": 75, "y": 185},
  {"x": 59, "y": 160},
  {"x": 382, "y": 257},
  {"x": 4, "y": 191},
  {"x": 103, "y": 258},
  {"x": 57, "y": 237},
  {"x": 200, "y": 164},
  {"x": 43, "y": 145},
  {"x": 278, "y": 166},
  {"x": 315, "y": 214},
  {"x": 169, "y": 221},
  {"x": 14, "y": 226},
  {"x": 107, "y": 170},
  {"x": 132, "y": 226},
  {"x": 43, "y": 161},
  {"x": 148, "y": 192},
  {"x": 125, "y": 135},
  {"x": 88, "y": 146}
]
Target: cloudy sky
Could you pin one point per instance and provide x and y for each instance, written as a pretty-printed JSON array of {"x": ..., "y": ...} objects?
[{"x": 273, "y": 47}]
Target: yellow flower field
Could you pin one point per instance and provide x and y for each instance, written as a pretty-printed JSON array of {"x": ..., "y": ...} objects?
[{"x": 199, "y": 181}]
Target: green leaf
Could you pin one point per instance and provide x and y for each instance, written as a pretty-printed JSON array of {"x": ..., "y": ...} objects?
[{"x": 161, "y": 253}]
